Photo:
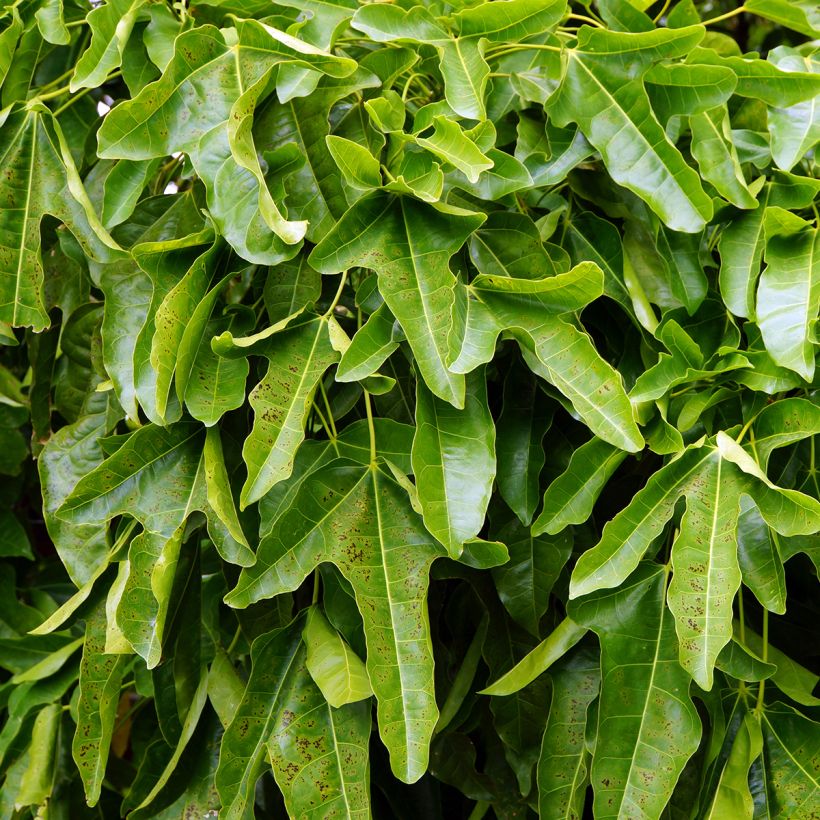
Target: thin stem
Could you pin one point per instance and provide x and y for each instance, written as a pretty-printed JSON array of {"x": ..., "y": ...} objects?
[
  {"x": 325, "y": 425},
  {"x": 316, "y": 583},
  {"x": 234, "y": 641},
  {"x": 338, "y": 295},
  {"x": 50, "y": 95},
  {"x": 64, "y": 76},
  {"x": 371, "y": 428},
  {"x": 662, "y": 11},
  {"x": 584, "y": 19},
  {"x": 720, "y": 18},
  {"x": 71, "y": 101},
  {"x": 479, "y": 810},
  {"x": 327, "y": 407},
  {"x": 762, "y": 686},
  {"x": 504, "y": 50}
]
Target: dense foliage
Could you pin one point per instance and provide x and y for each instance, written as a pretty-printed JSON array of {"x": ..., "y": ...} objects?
[{"x": 409, "y": 409}]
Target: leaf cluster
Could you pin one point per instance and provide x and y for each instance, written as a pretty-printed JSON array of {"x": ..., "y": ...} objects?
[{"x": 409, "y": 409}]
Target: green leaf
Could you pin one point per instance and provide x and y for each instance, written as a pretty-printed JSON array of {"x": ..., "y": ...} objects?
[
  {"x": 319, "y": 754},
  {"x": 799, "y": 15},
  {"x": 38, "y": 177},
  {"x": 242, "y": 210},
  {"x": 761, "y": 79},
  {"x": 790, "y": 743},
  {"x": 406, "y": 243},
  {"x": 559, "y": 642},
  {"x": 369, "y": 348},
  {"x": 597, "y": 77},
  {"x": 520, "y": 430},
  {"x": 359, "y": 167},
  {"x": 111, "y": 24},
  {"x": 733, "y": 798},
  {"x": 648, "y": 727},
  {"x": 35, "y": 786},
  {"x": 569, "y": 499},
  {"x": 334, "y": 666},
  {"x": 562, "y": 777},
  {"x": 454, "y": 463},
  {"x": 741, "y": 247},
  {"x": 100, "y": 679},
  {"x": 561, "y": 353},
  {"x": 51, "y": 22},
  {"x": 795, "y": 129},
  {"x": 717, "y": 158},
  {"x": 525, "y": 581},
  {"x": 788, "y": 297},
  {"x": 678, "y": 88},
  {"x": 450, "y": 144},
  {"x": 298, "y": 357},
  {"x": 388, "y": 579},
  {"x": 242, "y": 751},
  {"x": 64, "y": 461}
]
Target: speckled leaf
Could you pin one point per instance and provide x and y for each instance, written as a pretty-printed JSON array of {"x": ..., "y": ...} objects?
[
  {"x": 563, "y": 767},
  {"x": 319, "y": 754},
  {"x": 298, "y": 357},
  {"x": 361, "y": 519},
  {"x": 100, "y": 679},
  {"x": 409, "y": 244},
  {"x": 38, "y": 177},
  {"x": 648, "y": 727},
  {"x": 454, "y": 462}
]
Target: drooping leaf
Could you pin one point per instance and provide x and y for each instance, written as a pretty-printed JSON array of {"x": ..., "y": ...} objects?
[
  {"x": 385, "y": 555},
  {"x": 406, "y": 243},
  {"x": 562, "y": 777},
  {"x": 648, "y": 727},
  {"x": 599, "y": 77},
  {"x": 454, "y": 463},
  {"x": 38, "y": 177}
]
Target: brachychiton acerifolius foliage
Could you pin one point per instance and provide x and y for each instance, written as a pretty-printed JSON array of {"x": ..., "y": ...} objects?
[{"x": 409, "y": 409}]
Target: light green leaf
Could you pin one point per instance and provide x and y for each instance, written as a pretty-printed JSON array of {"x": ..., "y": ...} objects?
[
  {"x": 359, "y": 167},
  {"x": 715, "y": 152},
  {"x": 800, "y": 15},
  {"x": 795, "y": 129},
  {"x": 599, "y": 76},
  {"x": 451, "y": 144},
  {"x": 760, "y": 79},
  {"x": 454, "y": 462},
  {"x": 569, "y": 499},
  {"x": 733, "y": 798},
  {"x": 648, "y": 727},
  {"x": 788, "y": 297},
  {"x": 385, "y": 554},
  {"x": 559, "y": 642},
  {"x": 409, "y": 245},
  {"x": 334, "y": 666},
  {"x": 111, "y": 24}
]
